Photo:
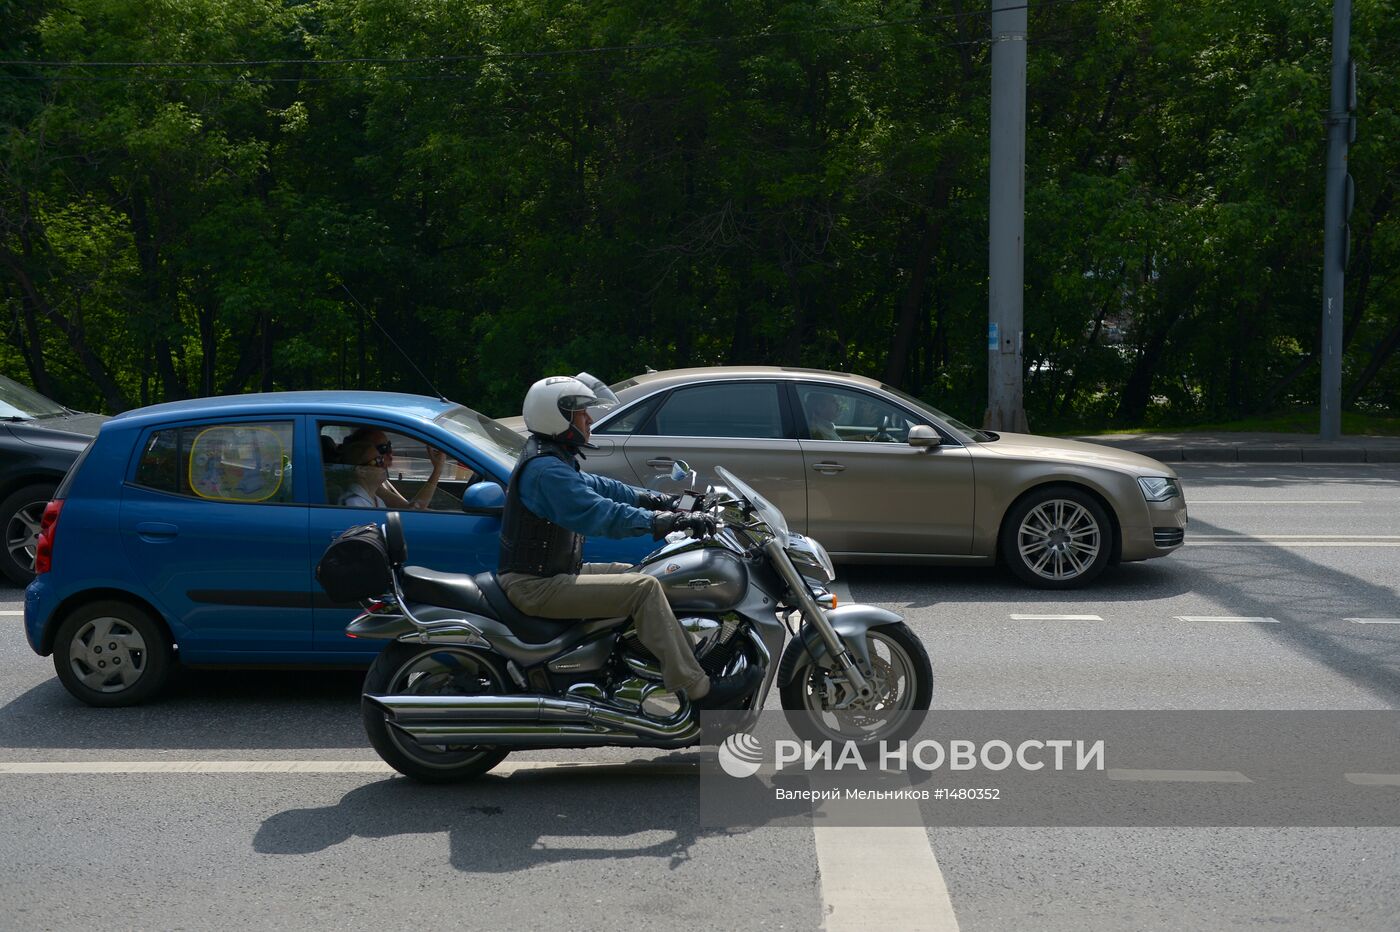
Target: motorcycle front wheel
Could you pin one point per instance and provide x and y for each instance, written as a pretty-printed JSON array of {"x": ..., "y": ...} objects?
[
  {"x": 430, "y": 670},
  {"x": 816, "y": 699}
]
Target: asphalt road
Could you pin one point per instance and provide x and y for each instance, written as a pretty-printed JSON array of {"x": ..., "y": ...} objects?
[{"x": 1252, "y": 614}]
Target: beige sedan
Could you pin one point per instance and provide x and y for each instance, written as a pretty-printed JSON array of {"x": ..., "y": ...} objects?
[{"x": 880, "y": 477}]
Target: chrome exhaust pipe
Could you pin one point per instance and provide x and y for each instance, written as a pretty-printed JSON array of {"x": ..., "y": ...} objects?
[{"x": 530, "y": 721}]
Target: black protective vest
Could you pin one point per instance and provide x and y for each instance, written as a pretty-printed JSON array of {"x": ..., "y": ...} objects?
[{"x": 529, "y": 543}]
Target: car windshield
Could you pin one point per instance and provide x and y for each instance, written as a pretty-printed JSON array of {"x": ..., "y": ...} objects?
[
  {"x": 969, "y": 433},
  {"x": 492, "y": 438},
  {"x": 20, "y": 401}
]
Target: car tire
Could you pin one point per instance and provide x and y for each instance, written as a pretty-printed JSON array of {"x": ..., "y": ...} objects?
[
  {"x": 20, "y": 513},
  {"x": 1058, "y": 537},
  {"x": 101, "y": 674}
]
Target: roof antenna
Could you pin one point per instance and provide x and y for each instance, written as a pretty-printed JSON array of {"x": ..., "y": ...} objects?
[{"x": 392, "y": 341}]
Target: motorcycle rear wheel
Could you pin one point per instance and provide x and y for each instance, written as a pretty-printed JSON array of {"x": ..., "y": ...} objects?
[{"x": 430, "y": 670}]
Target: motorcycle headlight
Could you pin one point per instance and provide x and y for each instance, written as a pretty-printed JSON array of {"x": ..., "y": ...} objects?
[
  {"x": 1159, "y": 489},
  {"x": 811, "y": 558}
]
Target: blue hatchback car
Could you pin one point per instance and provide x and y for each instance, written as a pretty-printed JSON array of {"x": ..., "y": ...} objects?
[{"x": 190, "y": 531}]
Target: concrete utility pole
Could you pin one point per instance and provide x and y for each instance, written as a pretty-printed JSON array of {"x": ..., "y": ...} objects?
[
  {"x": 1007, "y": 209},
  {"x": 1341, "y": 126}
]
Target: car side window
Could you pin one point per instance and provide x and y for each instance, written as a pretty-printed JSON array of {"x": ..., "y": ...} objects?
[
  {"x": 629, "y": 421},
  {"x": 833, "y": 413},
  {"x": 725, "y": 409},
  {"x": 245, "y": 463},
  {"x": 402, "y": 463}
]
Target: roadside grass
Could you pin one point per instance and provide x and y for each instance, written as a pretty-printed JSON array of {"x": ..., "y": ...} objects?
[{"x": 1301, "y": 421}]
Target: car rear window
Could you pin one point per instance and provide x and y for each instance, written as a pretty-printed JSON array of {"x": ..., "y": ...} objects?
[
  {"x": 249, "y": 463},
  {"x": 733, "y": 409}
]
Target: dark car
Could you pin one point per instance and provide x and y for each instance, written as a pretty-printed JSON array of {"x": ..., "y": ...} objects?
[{"x": 39, "y": 440}]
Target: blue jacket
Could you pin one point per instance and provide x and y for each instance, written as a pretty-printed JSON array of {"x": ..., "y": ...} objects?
[{"x": 594, "y": 506}]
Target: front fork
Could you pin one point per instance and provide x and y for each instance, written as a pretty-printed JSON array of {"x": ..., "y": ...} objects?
[{"x": 813, "y": 613}]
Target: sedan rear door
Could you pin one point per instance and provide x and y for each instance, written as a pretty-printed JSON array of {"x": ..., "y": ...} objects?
[{"x": 741, "y": 425}]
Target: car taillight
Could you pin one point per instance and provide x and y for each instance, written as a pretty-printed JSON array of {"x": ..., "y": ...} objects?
[{"x": 48, "y": 525}]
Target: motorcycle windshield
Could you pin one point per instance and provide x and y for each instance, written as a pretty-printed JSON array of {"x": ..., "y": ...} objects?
[{"x": 767, "y": 512}]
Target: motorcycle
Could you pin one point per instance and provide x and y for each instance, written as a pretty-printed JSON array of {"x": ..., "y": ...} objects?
[{"x": 467, "y": 678}]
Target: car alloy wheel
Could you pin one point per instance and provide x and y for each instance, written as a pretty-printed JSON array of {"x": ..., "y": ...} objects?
[
  {"x": 1057, "y": 537},
  {"x": 1059, "y": 540},
  {"x": 22, "y": 534}
]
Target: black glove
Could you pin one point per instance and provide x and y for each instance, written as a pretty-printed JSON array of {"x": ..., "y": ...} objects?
[
  {"x": 657, "y": 501},
  {"x": 698, "y": 524}
]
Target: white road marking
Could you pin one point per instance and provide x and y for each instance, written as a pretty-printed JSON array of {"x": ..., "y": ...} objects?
[
  {"x": 1374, "y": 621},
  {"x": 1056, "y": 618},
  {"x": 1272, "y": 501},
  {"x": 1178, "y": 776},
  {"x": 1373, "y": 779},
  {"x": 506, "y": 768},
  {"x": 1291, "y": 537},
  {"x": 880, "y": 877},
  {"x": 1228, "y": 619},
  {"x": 11, "y": 614}
]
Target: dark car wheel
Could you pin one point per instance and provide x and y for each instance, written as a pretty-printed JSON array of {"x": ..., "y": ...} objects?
[
  {"x": 1057, "y": 538},
  {"x": 20, "y": 513},
  {"x": 112, "y": 653}
]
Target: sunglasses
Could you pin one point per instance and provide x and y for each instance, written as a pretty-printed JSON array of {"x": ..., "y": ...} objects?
[{"x": 386, "y": 447}]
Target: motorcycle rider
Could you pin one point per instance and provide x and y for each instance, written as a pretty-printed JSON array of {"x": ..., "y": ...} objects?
[{"x": 551, "y": 505}]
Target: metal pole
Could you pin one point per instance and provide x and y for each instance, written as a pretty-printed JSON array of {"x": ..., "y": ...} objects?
[
  {"x": 1006, "y": 214},
  {"x": 1335, "y": 222}
]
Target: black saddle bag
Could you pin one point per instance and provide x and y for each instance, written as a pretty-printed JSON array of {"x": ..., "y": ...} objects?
[{"x": 356, "y": 565}]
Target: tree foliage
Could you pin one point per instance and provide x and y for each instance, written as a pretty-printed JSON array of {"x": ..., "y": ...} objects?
[{"x": 213, "y": 196}]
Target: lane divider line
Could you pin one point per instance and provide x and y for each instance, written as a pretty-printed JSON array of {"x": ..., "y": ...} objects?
[
  {"x": 1374, "y": 621},
  {"x": 880, "y": 877},
  {"x": 1056, "y": 618},
  {"x": 1178, "y": 776},
  {"x": 1373, "y": 779},
  {"x": 1228, "y": 619},
  {"x": 12, "y": 614}
]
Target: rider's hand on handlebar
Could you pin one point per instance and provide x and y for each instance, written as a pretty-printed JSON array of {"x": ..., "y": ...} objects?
[
  {"x": 697, "y": 524},
  {"x": 657, "y": 501}
]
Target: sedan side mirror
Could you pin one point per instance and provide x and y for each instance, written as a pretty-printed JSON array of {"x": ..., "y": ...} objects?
[{"x": 921, "y": 435}]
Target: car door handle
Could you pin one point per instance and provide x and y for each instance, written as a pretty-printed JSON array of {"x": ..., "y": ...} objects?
[
  {"x": 661, "y": 462},
  {"x": 156, "y": 531},
  {"x": 828, "y": 467}
]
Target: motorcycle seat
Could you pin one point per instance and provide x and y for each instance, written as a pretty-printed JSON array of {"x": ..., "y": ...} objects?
[
  {"x": 528, "y": 628},
  {"x": 449, "y": 590}
]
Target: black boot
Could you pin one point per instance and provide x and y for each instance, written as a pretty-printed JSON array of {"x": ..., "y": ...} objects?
[{"x": 729, "y": 692}]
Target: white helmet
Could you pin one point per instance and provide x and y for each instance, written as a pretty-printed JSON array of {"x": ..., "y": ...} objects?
[{"x": 550, "y": 404}]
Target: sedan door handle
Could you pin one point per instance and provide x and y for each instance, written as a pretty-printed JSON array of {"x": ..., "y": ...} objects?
[
  {"x": 828, "y": 467},
  {"x": 661, "y": 462},
  {"x": 156, "y": 531}
]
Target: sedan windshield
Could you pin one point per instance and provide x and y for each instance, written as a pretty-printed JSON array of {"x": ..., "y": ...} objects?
[
  {"x": 20, "y": 401},
  {"x": 493, "y": 439},
  {"x": 969, "y": 433}
]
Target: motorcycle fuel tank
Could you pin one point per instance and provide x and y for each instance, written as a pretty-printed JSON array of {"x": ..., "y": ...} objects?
[{"x": 700, "y": 579}]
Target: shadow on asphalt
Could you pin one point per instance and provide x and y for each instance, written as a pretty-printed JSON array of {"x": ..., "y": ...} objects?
[
  {"x": 1312, "y": 601},
  {"x": 226, "y": 709},
  {"x": 503, "y": 824},
  {"x": 925, "y": 586}
]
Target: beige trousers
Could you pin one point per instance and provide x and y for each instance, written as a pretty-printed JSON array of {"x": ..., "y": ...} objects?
[{"x": 607, "y": 590}]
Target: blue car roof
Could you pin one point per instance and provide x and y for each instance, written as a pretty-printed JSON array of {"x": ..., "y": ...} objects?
[{"x": 324, "y": 402}]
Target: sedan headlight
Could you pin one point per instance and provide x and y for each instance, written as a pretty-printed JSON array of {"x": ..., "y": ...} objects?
[{"x": 1160, "y": 489}]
